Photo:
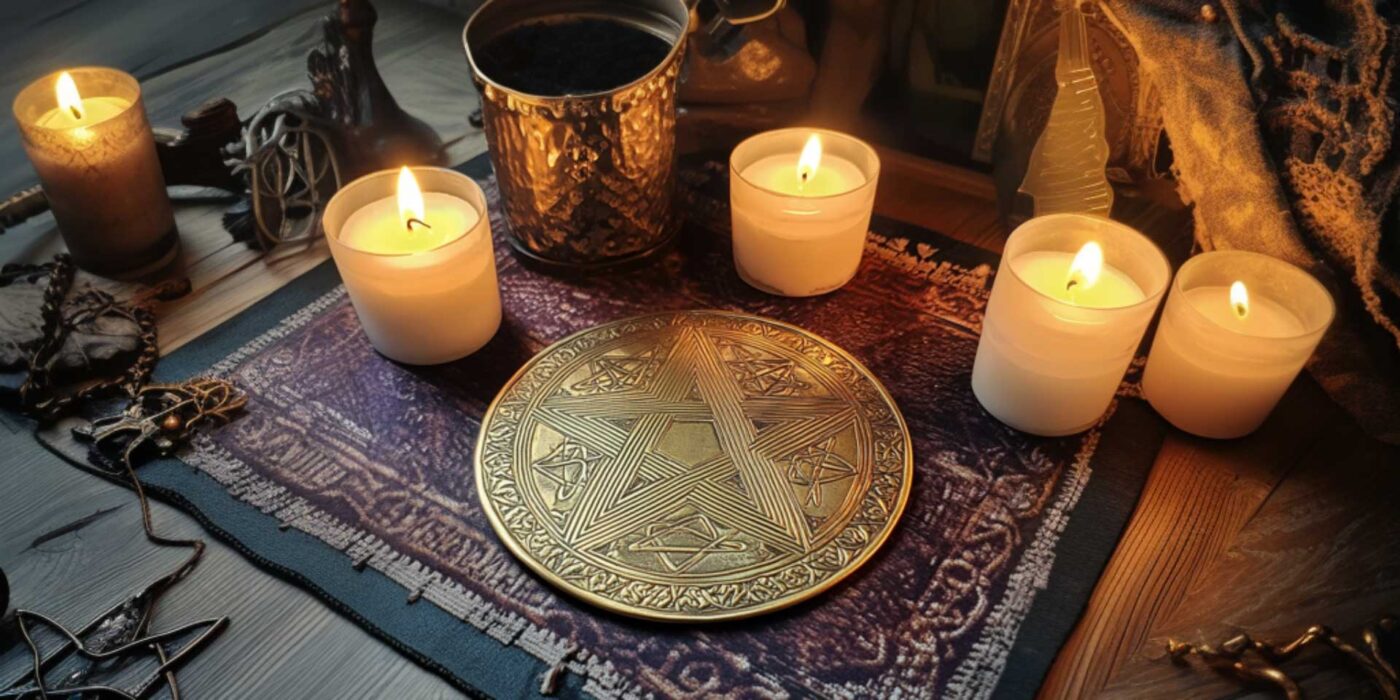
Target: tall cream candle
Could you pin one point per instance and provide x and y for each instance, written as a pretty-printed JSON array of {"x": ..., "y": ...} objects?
[
  {"x": 414, "y": 249},
  {"x": 1237, "y": 328},
  {"x": 1072, "y": 298},
  {"x": 801, "y": 201},
  {"x": 86, "y": 133}
]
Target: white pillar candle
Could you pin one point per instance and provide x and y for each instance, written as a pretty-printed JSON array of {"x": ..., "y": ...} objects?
[
  {"x": 1072, "y": 297},
  {"x": 801, "y": 201},
  {"x": 86, "y": 133},
  {"x": 1237, "y": 328},
  {"x": 420, "y": 267}
]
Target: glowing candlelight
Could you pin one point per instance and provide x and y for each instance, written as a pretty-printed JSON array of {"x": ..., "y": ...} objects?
[
  {"x": 68, "y": 97},
  {"x": 85, "y": 130},
  {"x": 1084, "y": 270},
  {"x": 418, "y": 262},
  {"x": 410, "y": 199},
  {"x": 1237, "y": 328},
  {"x": 409, "y": 221},
  {"x": 809, "y": 161},
  {"x": 801, "y": 202},
  {"x": 1061, "y": 326},
  {"x": 1239, "y": 299}
]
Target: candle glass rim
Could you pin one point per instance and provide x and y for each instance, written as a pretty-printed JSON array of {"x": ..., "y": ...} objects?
[
  {"x": 677, "y": 46},
  {"x": 482, "y": 211},
  {"x": 870, "y": 179},
  {"x": 1154, "y": 298},
  {"x": 1309, "y": 330},
  {"x": 47, "y": 81}
]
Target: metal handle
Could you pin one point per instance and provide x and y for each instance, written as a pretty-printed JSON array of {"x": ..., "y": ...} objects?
[
  {"x": 744, "y": 11},
  {"x": 22, "y": 205}
]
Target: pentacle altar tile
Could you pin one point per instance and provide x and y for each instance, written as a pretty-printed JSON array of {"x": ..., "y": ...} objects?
[{"x": 699, "y": 465}]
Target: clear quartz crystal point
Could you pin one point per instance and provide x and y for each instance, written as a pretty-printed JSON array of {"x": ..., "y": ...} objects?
[{"x": 1066, "y": 169}]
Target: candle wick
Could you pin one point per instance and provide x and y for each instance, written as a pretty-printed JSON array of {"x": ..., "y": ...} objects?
[
  {"x": 413, "y": 221},
  {"x": 76, "y": 113},
  {"x": 1069, "y": 286},
  {"x": 1241, "y": 310}
]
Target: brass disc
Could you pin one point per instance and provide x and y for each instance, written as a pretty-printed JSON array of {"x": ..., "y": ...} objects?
[{"x": 698, "y": 465}]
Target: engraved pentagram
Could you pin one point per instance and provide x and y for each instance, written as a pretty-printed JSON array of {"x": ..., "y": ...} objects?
[
  {"x": 698, "y": 465},
  {"x": 814, "y": 467}
]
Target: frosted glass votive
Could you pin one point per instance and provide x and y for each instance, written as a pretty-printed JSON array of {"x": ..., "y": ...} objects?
[
  {"x": 1052, "y": 354},
  {"x": 98, "y": 166},
  {"x": 1220, "y": 361},
  {"x": 796, "y": 241},
  {"x": 425, "y": 307}
]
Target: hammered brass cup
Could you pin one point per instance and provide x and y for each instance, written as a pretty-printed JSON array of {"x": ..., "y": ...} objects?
[{"x": 586, "y": 180}]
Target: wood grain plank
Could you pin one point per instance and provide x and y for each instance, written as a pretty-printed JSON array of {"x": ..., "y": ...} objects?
[
  {"x": 954, "y": 201},
  {"x": 418, "y": 52},
  {"x": 1195, "y": 530},
  {"x": 282, "y": 642},
  {"x": 1199, "y": 496},
  {"x": 1321, "y": 550}
]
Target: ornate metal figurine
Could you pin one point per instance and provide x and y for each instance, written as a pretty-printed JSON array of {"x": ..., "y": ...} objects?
[
  {"x": 373, "y": 132},
  {"x": 1066, "y": 168},
  {"x": 302, "y": 145},
  {"x": 160, "y": 418},
  {"x": 104, "y": 346},
  {"x": 288, "y": 155},
  {"x": 114, "y": 654}
]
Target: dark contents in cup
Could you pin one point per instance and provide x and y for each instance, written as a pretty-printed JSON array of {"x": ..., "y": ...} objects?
[{"x": 570, "y": 57}]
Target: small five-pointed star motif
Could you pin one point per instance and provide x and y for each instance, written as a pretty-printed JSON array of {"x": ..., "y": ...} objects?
[
  {"x": 610, "y": 373},
  {"x": 816, "y": 466}
]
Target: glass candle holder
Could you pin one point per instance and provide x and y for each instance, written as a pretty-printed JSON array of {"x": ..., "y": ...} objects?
[
  {"x": 96, "y": 159},
  {"x": 797, "y": 236},
  {"x": 1059, "y": 332},
  {"x": 428, "y": 306},
  {"x": 1237, "y": 328}
]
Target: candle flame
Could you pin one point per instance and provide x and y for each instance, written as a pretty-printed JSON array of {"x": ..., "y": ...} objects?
[
  {"x": 810, "y": 159},
  {"x": 68, "y": 98},
  {"x": 1239, "y": 299},
  {"x": 411, "y": 210},
  {"x": 1087, "y": 265}
]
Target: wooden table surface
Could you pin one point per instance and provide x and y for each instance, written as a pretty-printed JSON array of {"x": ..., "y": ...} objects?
[{"x": 1291, "y": 526}]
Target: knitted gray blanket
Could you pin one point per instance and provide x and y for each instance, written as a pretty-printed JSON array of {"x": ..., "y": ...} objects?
[{"x": 1282, "y": 121}]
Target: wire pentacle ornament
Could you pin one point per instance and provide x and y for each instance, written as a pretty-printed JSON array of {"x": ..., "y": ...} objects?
[
  {"x": 117, "y": 654},
  {"x": 288, "y": 155}
]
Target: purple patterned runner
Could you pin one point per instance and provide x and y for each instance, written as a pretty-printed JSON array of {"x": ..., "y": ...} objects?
[{"x": 375, "y": 459}]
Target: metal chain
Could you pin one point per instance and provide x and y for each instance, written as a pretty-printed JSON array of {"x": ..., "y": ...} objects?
[
  {"x": 61, "y": 273},
  {"x": 128, "y": 382},
  {"x": 36, "y": 393}
]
